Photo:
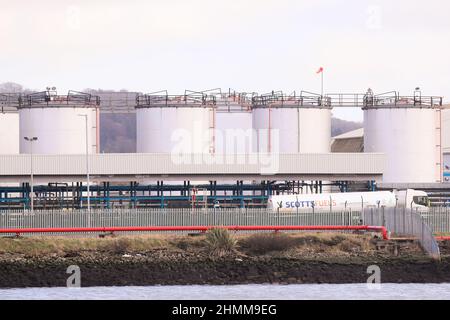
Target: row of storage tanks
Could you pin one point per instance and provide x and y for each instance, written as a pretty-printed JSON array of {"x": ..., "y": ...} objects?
[
  {"x": 407, "y": 135},
  {"x": 237, "y": 129}
]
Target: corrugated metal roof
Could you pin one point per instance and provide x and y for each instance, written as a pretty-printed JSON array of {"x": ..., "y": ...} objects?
[
  {"x": 351, "y": 134},
  {"x": 161, "y": 166},
  {"x": 348, "y": 145}
]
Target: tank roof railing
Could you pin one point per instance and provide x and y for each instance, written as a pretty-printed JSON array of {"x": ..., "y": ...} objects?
[
  {"x": 279, "y": 99},
  {"x": 51, "y": 98},
  {"x": 386, "y": 99},
  {"x": 211, "y": 97},
  {"x": 9, "y": 102},
  {"x": 217, "y": 98},
  {"x": 3, "y": 100},
  {"x": 165, "y": 100},
  {"x": 214, "y": 91},
  {"x": 346, "y": 99},
  {"x": 394, "y": 99},
  {"x": 4, "y": 103},
  {"x": 226, "y": 99},
  {"x": 117, "y": 102}
]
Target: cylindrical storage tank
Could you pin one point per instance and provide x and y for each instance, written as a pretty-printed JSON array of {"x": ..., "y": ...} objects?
[
  {"x": 174, "y": 129},
  {"x": 292, "y": 129},
  {"x": 233, "y": 135},
  {"x": 9, "y": 133},
  {"x": 407, "y": 136},
  {"x": 233, "y": 131},
  {"x": 177, "y": 130},
  {"x": 58, "y": 129},
  {"x": 287, "y": 129}
]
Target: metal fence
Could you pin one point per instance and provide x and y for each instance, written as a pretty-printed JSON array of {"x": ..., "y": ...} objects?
[
  {"x": 438, "y": 218},
  {"x": 172, "y": 217},
  {"x": 404, "y": 222},
  {"x": 401, "y": 222}
]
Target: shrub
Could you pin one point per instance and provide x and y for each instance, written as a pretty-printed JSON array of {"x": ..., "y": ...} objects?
[
  {"x": 118, "y": 245},
  {"x": 335, "y": 240},
  {"x": 220, "y": 242},
  {"x": 354, "y": 245},
  {"x": 268, "y": 242}
]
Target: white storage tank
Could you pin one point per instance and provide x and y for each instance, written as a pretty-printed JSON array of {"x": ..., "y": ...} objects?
[
  {"x": 174, "y": 128},
  {"x": 59, "y": 125},
  {"x": 292, "y": 125},
  {"x": 446, "y": 131},
  {"x": 174, "y": 124},
  {"x": 233, "y": 129},
  {"x": 406, "y": 134},
  {"x": 9, "y": 132},
  {"x": 292, "y": 129}
]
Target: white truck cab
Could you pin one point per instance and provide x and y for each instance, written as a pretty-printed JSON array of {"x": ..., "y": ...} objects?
[{"x": 412, "y": 199}]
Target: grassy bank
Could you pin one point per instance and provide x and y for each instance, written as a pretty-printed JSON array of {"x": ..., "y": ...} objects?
[
  {"x": 251, "y": 244},
  {"x": 214, "y": 244},
  {"x": 215, "y": 258}
]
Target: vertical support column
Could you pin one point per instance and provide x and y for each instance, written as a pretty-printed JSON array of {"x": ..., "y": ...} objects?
[
  {"x": 132, "y": 194},
  {"x": 104, "y": 194},
  {"x": 210, "y": 190},
  {"x": 106, "y": 200},
  {"x": 241, "y": 193},
  {"x": 158, "y": 189},
  {"x": 161, "y": 190},
  {"x": 26, "y": 194},
  {"x": 80, "y": 203}
]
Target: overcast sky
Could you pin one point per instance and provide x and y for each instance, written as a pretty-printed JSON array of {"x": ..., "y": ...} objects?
[{"x": 253, "y": 45}]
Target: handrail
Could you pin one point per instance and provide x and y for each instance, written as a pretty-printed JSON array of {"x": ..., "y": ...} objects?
[
  {"x": 280, "y": 99},
  {"x": 312, "y": 93},
  {"x": 387, "y": 93},
  {"x": 45, "y": 98}
]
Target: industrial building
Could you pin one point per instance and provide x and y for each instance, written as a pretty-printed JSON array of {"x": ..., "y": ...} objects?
[
  {"x": 212, "y": 148},
  {"x": 351, "y": 141}
]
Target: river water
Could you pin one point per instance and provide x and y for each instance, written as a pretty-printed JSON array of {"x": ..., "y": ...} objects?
[{"x": 238, "y": 292}]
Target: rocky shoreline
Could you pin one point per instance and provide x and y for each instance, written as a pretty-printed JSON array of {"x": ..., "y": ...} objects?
[{"x": 186, "y": 262}]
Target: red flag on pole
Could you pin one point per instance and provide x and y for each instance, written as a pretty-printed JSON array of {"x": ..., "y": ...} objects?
[{"x": 320, "y": 70}]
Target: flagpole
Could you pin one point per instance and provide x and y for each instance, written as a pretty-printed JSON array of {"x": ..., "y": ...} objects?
[{"x": 321, "y": 87}]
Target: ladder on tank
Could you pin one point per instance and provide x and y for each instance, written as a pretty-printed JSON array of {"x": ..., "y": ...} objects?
[
  {"x": 212, "y": 129},
  {"x": 439, "y": 164}
]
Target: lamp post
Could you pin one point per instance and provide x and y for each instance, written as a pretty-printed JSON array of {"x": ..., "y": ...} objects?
[
  {"x": 31, "y": 140},
  {"x": 87, "y": 161}
]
